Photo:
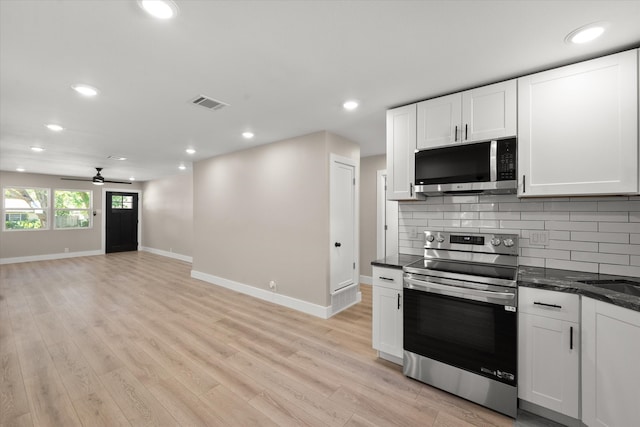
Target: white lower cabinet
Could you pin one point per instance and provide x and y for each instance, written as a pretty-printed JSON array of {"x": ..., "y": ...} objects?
[
  {"x": 387, "y": 313},
  {"x": 610, "y": 365},
  {"x": 549, "y": 350}
]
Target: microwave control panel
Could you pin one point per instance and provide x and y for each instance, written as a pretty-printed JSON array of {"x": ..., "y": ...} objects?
[{"x": 506, "y": 160}]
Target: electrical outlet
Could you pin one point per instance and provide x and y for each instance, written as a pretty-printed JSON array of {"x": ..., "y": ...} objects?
[
  {"x": 413, "y": 232},
  {"x": 539, "y": 238},
  {"x": 66, "y": 250},
  {"x": 272, "y": 285}
]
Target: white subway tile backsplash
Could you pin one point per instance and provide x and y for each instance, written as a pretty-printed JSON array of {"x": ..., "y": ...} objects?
[
  {"x": 619, "y": 206},
  {"x": 461, "y": 215},
  {"x": 479, "y": 223},
  {"x": 586, "y": 233},
  {"x": 479, "y": 207},
  {"x": 600, "y": 257},
  {"x": 545, "y": 253},
  {"x": 613, "y": 248},
  {"x": 546, "y": 216},
  {"x": 571, "y": 226},
  {"x": 500, "y": 215},
  {"x": 533, "y": 225},
  {"x": 571, "y": 206},
  {"x": 532, "y": 262},
  {"x": 620, "y": 227},
  {"x": 573, "y": 246},
  {"x": 589, "y": 267},
  {"x": 460, "y": 199},
  {"x": 600, "y": 237},
  {"x": 620, "y": 270},
  {"x": 520, "y": 207},
  {"x": 600, "y": 216}
]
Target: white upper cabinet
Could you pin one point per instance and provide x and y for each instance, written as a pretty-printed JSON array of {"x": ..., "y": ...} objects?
[
  {"x": 401, "y": 147},
  {"x": 578, "y": 129},
  {"x": 475, "y": 115}
]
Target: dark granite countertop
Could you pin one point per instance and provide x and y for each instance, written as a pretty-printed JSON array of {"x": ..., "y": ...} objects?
[
  {"x": 396, "y": 261},
  {"x": 567, "y": 281}
]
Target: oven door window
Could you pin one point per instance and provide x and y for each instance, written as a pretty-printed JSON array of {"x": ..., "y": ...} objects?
[{"x": 471, "y": 335}]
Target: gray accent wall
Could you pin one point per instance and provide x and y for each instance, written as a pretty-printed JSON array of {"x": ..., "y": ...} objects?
[
  {"x": 263, "y": 214},
  {"x": 167, "y": 214}
]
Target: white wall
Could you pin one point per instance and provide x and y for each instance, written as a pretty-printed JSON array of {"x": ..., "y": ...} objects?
[
  {"x": 594, "y": 234},
  {"x": 167, "y": 216}
]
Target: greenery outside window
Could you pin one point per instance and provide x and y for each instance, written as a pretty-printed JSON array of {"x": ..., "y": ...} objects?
[
  {"x": 26, "y": 208},
  {"x": 72, "y": 209},
  {"x": 122, "y": 202}
]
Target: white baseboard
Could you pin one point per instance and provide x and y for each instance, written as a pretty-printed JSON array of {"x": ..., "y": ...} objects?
[
  {"x": 367, "y": 280},
  {"x": 167, "y": 254},
  {"x": 48, "y": 257},
  {"x": 296, "y": 304}
]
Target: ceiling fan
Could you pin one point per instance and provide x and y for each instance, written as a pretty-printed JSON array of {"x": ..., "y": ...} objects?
[{"x": 97, "y": 180}]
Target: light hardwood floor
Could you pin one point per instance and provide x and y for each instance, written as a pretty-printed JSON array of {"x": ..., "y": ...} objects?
[{"x": 131, "y": 339}]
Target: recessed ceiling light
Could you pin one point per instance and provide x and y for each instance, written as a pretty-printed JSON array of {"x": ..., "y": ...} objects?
[
  {"x": 247, "y": 135},
  {"x": 116, "y": 158},
  {"x": 350, "y": 105},
  {"x": 182, "y": 167},
  {"x": 586, "y": 33},
  {"x": 85, "y": 90},
  {"x": 131, "y": 178},
  {"x": 20, "y": 169},
  {"x": 54, "y": 127},
  {"x": 37, "y": 149},
  {"x": 161, "y": 9},
  {"x": 190, "y": 151}
]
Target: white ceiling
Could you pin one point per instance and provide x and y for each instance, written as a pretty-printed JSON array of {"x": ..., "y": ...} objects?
[{"x": 285, "y": 67}]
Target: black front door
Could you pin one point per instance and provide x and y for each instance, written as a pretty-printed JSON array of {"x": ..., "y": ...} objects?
[{"x": 121, "y": 222}]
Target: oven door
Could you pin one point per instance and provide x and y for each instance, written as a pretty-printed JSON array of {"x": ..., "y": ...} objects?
[{"x": 474, "y": 335}]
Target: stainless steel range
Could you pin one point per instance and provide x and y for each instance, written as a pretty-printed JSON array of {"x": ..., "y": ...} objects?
[{"x": 460, "y": 320}]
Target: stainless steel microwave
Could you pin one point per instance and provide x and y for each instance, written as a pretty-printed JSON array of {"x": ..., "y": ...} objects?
[{"x": 478, "y": 167}]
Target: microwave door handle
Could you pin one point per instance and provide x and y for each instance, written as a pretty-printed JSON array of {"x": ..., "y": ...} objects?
[
  {"x": 493, "y": 161},
  {"x": 422, "y": 285}
]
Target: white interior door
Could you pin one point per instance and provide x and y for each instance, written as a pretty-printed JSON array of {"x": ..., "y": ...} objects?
[{"x": 343, "y": 210}]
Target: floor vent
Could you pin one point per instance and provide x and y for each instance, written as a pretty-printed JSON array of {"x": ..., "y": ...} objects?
[
  {"x": 344, "y": 298},
  {"x": 208, "y": 103}
]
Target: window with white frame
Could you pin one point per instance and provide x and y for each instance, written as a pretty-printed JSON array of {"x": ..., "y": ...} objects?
[
  {"x": 72, "y": 209},
  {"x": 26, "y": 208}
]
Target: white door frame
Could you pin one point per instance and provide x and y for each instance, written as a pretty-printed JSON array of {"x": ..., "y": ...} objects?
[
  {"x": 103, "y": 243},
  {"x": 386, "y": 219}
]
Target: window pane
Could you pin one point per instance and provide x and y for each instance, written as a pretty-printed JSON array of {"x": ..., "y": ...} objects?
[
  {"x": 116, "y": 202},
  {"x": 73, "y": 219},
  {"x": 25, "y": 208},
  {"x": 25, "y": 220},
  {"x": 65, "y": 199}
]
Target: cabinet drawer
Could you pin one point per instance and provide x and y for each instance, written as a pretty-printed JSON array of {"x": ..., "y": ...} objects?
[
  {"x": 556, "y": 305},
  {"x": 387, "y": 277}
]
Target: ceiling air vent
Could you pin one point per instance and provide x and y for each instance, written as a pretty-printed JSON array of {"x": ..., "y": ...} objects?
[{"x": 209, "y": 103}]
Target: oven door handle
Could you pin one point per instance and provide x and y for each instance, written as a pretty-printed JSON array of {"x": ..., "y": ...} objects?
[{"x": 422, "y": 285}]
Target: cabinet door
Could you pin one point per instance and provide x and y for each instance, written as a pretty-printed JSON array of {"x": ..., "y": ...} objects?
[
  {"x": 401, "y": 146},
  {"x": 610, "y": 367},
  {"x": 439, "y": 121},
  {"x": 489, "y": 112},
  {"x": 387, "y": 320},
  {"x": 548, "y": 365},
  {"x": 577, "y": 129}
]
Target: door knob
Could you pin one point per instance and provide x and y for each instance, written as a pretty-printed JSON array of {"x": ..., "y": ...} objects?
[{"x": 337, "y": 244}]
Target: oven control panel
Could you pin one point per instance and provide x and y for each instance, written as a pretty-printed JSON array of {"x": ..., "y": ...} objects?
[{"x": 472, "y": 242}]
